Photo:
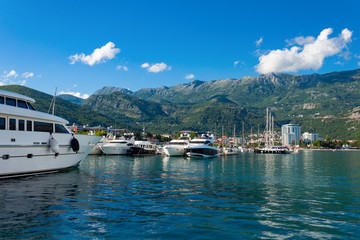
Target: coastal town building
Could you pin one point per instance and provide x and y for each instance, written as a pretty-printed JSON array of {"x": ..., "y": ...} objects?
[
  {"x": 310, "y": 137},
  {"x": 291, "y": 134}
]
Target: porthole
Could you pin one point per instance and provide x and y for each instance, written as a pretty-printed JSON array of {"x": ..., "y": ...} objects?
[
  {"x": 29, "y": 155},
  {"x": 5, "y": 156}
]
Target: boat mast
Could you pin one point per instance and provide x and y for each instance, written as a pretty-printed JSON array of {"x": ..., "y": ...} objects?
[
  {"x": 52, "y": 104},
  {"x": 272, "y": 130},
  {"x": 243, "y": 132}
]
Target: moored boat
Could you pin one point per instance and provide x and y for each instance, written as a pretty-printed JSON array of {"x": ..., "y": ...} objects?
[
  {"x": 33, "y": 142},
  {"x": 142, "y": 148},
  {"x": 202, "y": 147},
  {"x": 177, "y": 147},
  {"x": 119, "y": 146}
]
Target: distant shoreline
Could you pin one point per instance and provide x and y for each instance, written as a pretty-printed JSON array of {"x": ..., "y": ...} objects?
[{"x": 328, "y": 149}]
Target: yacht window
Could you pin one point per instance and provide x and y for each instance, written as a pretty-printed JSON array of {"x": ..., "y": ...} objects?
[
  {"x": 21, "y": 125},
  {"x": 60, "y": 129},
  {"x": 28, "y": 125},
  {"x": 12, "y": 124},
  {"x": 30, "y": 106},
  {"x": 11, "y": 102},
  {"x": 2, "y": 123},
  {"x": 43, "y": 127},
  {"x": 22, "y": 104},
  {"x": 1, "y": 100}
]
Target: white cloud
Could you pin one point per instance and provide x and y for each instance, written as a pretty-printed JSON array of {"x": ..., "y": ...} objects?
[
  {"x": 76, "y": 94},
  {"x": 145, "y": 65},
  {"x": 119, "y": 67},
  {"x": 311, "y": 56},
  {"x": 99, "y": 55},
  {"x": 11, "y": 77},
  {"x": 27, "y": 74},
  {"x": 239, "y": 63},
  {"x": 258, "y": 42},
  {"x": 339, "y": 63},
  {"x": 12, "y": 73},
  {"x": 156, "y": 68},
  {"x": 301, "y": 40},
  {"x": 359, "y": 64},
  {"x": 189, "y": 76}
]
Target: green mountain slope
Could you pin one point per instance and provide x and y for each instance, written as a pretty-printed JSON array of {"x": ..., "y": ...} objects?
[
  {"x": 67, "y": 110},
  {"x": 328, "y": 104},
  {"x": 71, "y": 98}
]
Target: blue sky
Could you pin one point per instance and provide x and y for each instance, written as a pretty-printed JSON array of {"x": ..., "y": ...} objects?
[{"x": 147, "y": 44}]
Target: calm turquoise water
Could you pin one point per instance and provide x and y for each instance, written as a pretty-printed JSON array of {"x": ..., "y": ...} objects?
[{"x": 310, "y": 195}]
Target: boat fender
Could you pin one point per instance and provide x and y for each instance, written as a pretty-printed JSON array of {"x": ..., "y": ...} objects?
[
  {"x": 75, "y": 144},
  {"x": 54, "y": 146}
]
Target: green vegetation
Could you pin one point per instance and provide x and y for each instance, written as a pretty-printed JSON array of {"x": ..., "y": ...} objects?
[{"x": 327, "y": 104}]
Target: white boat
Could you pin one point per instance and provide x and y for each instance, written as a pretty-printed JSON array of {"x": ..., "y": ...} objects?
[
  {"x": 96, "y": 149},
  {"x": 202, "y": 147},
  {"x": 120, "y": 146},
  {"x": 33, "y": 142},
  {"x": 177, "y": 147},
  {"x": 143, "y": 147},
  {"x": 269, "y": 139},
  {"x": 230, "y": 150}
]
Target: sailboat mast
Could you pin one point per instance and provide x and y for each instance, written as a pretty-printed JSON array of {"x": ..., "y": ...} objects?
[
  {"x": 267, "y": 128},
  {"x": 272, "y": 130}
]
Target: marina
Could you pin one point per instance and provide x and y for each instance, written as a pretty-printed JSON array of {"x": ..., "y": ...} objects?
[{"x": 310, "y": 195}]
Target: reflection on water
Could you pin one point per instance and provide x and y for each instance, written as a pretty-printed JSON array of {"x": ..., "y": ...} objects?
[{"x": 306, "y": 195}]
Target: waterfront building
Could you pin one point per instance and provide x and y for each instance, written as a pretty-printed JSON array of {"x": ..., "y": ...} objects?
[
  {"x": 310, "y": 137},
  {"x": 291, "y": 134}
]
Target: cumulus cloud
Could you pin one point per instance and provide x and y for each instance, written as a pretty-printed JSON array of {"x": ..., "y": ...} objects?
[
  {"x": 145, "y": 65},
  {"x": 310, "y": 56},
  {"x": 119, "y": 67},
  {"x": 258, "y": 42},
  {"x": 12, "y": 77},
  {"x": 300, "y": 40},
  {"x": 189, "y": 76},
  {"x": 27, "y": 74},
  {"x": 12, "y": 73},
  {"x": 99, "y": 55},
  {"x": 76, "y": 94},
  {"x": 156, "y": 68}
]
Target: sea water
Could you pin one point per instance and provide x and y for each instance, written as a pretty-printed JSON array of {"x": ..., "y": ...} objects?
[{"x": 310, "y": 195}]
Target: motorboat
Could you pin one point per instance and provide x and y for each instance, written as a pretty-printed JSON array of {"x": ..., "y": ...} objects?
[
  {"x": 33, "y": 142},
  {"x": 143, "y": 147},
  {"x": 118, "y": 146},
  {"x": 202, "y": 147},
  {"x": 230, "y": 150},
  {"x": 177, "y": 147}
]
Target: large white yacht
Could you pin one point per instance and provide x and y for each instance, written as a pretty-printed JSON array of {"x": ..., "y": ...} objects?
[
  {"x": 177, "y": 147},
  {"x": 120, "y": 146},
  {"x": 202, "y": 147},
  {"x": 33, "y": 142}
]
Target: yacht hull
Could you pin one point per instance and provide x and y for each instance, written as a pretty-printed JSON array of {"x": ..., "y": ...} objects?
[
  {"x": 29, "y": 153},
  {"x": 115, "y": 149},
  {"x": 202, "y": 151},
  {"x": 174, "y": 151}
]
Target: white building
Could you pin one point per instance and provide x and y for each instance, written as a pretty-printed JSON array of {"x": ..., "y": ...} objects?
[
  {"x": 310, "y": 137},
  {"x": 291, "y": 134}
]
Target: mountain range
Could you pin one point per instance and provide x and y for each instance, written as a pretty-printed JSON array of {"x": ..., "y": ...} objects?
[{"x": 327, "y": 104}]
